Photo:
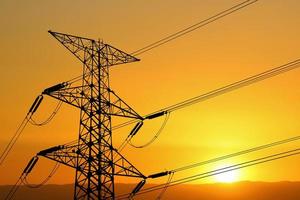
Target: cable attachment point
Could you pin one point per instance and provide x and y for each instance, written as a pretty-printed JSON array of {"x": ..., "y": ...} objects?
[
  {"x": 55, "y": 88},
  {"x": 136, "y": 128},
  {"x": 50, "y": 150},
  {"x": 137, "y": 188},
  {"x": 155, "y": 115},
  {"x": 36, "y": 104},
  {"x": 160, "y": 174},
  {"x": 30, "y": 165}
]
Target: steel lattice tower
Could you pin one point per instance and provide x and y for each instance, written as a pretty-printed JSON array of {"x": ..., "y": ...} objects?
[{"x": 93, "y": 156}]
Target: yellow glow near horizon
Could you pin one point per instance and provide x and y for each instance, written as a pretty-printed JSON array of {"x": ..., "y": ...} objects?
[{"x": 227, "y": 177}]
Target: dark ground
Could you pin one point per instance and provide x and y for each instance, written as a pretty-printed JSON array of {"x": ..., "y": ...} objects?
[{"x": 237, "y": 191}]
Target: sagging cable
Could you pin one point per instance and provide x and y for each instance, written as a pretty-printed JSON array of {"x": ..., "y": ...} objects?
[
  {"x": 37, "y": 102},
  {"x": 164, "y": 189},
  {"x": 28, "y": 118},
  {"x": 20, "y": 129},
  {"x": 234, "y": 167},
  {"x": 139, "y": 186},
  {"x": 223, "y": 90},
  {"x": 167, "y": 116},
  {"x": 46, "y": 121},
  {"x": 52, "y": 172}
]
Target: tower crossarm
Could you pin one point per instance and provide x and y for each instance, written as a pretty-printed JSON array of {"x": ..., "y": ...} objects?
[
  {"x": 67, "y": 155},
  {"x": 73, "y": 95},
  {"x": 87, "y": 50},
  {"x": 70, "y": 95},
  {"x": 64, "y": 154}
]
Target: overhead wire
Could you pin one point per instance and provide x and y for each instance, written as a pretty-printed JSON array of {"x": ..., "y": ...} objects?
[
  {"x": 222, "y": 90},
  {"x": 194, "y": 27},
  {"x": 28, "y": 118},
  {"x": 269, "y": 145},
  {"x": 239, "y": 153},
  {"x": 237, "y": 166},
  {"x": 123, "y": 145},
  {"x": 250, "y": 150},
  {"x": 14, "y": 139},
  {"x": 52, "y": 172},
  {"x": 13, "y": 190},
  {"x": 182, "y": 32},
  {"x": 233, "y": 86},
  {"x": 241, "y": 165},
  {"x": 23, "y": 178},
  {"x": 164, "y": 189}
]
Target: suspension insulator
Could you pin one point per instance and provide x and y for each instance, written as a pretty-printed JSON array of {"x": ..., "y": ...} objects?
[
  {"x": 138, "y": 187},
  {"x": 30, "y": 165},
  {"x": 50, "y": 150},
  {"x": 160, "y": 174},
  {"x": 136, "y": 128},
  {"x": 55, "y": 88},
  {"x": 36, "y": 104},
  {"x": 155, "y": 115}
]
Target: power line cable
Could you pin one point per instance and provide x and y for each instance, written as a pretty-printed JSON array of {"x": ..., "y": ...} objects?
[
  {"x": 253, "y": 162},
  {"x": 23, "y": 178},
  {"x": 46, "y": 121},
  {"x": 222, "y": 90},
  {"x": 14, "y": 139},
  {"x": 269, "y": 145},
  {"x": 239, "y": 153},
  {"x": 236, "y": 85},
  {"x": 13, "y": 190},
  {"x": 257, "y": 148},
  {"x": 52, "y": 172},
  {"x": 234, "y": 167},
  {"x": 20, "y": 129},
  {"x": 164, "y": 189},
  {"x": 194, "y": 27}
]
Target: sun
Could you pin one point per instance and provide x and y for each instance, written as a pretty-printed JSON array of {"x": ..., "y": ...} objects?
[{"x": 226, "y": 176}]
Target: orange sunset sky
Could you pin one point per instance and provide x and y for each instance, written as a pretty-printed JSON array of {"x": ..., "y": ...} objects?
[{"x": 259, "y": 37}]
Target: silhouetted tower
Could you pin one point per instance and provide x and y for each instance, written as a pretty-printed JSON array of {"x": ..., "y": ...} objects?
[{"x": 96, "y": 161}]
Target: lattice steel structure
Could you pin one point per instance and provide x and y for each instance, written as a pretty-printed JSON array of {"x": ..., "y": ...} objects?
[{"x": 93, "y": 156}]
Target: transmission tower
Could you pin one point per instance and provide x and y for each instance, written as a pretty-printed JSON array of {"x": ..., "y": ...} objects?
[{"x": 93, "y": 156}]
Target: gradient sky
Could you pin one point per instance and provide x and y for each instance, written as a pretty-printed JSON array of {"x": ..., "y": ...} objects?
[{"x": 255, "y": 39}]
